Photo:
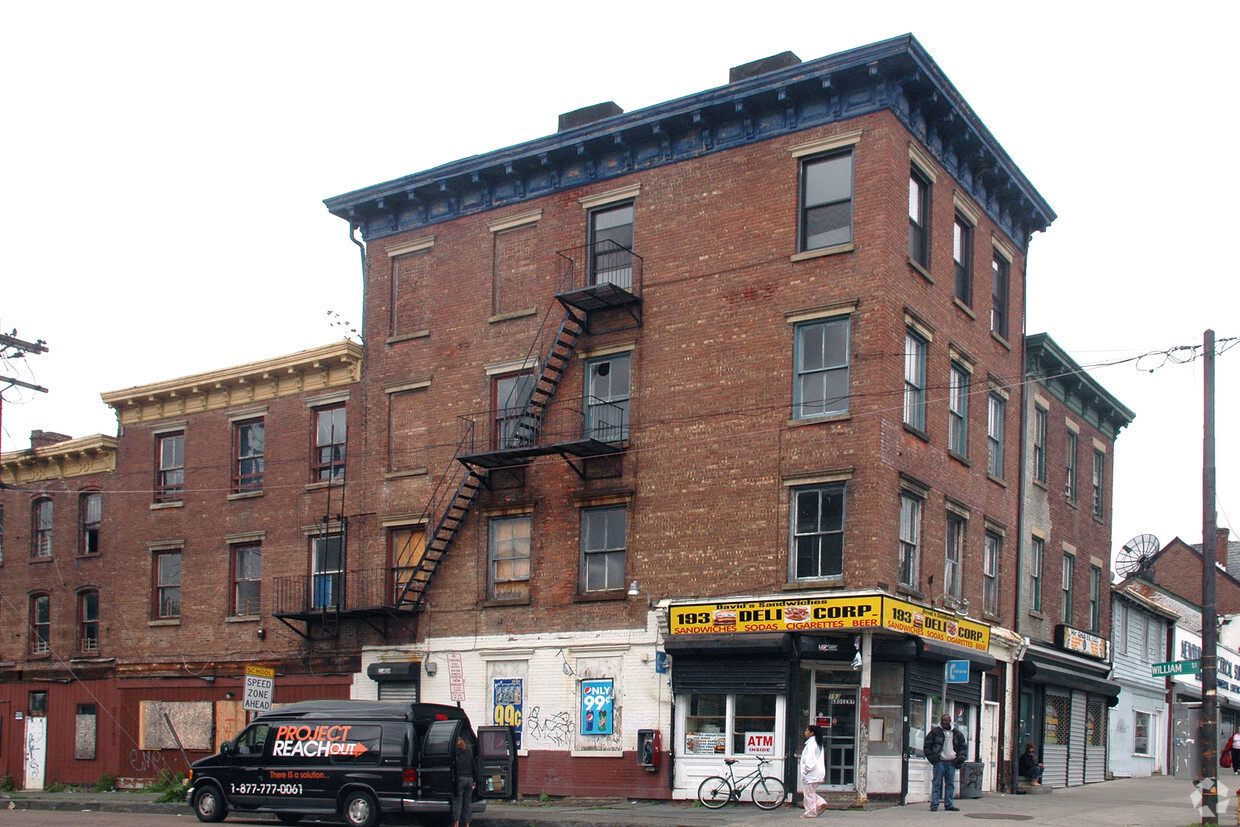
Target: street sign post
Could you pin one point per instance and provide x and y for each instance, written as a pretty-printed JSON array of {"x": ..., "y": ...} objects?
[
  {"x": 260, "y": 685},
  {"x": 1177, "y": 667}
]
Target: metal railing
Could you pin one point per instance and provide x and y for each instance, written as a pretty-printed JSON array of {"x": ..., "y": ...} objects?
[
  {"x": 604, "y": 262},
  {"x": 332, "y": 592},
  {"x": 564, "y": 421}
]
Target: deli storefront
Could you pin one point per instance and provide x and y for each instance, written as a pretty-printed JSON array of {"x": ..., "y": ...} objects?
[{"x": 748, "y": 676}]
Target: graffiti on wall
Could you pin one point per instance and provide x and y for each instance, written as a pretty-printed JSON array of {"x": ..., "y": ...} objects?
[{"x": 555, "y": 728}]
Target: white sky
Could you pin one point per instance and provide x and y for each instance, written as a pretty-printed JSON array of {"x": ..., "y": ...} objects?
[{"x": 162, "y": 169}]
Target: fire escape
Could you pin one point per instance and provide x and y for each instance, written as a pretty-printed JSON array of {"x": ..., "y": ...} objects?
[{"x": 599, "y": 291}]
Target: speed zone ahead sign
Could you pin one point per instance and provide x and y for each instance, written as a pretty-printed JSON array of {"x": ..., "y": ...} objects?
[{"x": 260, "y": 684}]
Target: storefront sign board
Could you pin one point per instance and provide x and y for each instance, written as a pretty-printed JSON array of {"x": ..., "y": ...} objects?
[
  {"x": 917, "y": 620},
  {"x": 759, "y": 743}
]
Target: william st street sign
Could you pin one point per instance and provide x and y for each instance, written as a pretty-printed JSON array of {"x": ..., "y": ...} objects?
[{"x": 1177, "y": 667}]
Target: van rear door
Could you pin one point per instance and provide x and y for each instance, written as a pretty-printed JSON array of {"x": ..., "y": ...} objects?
[
  {"x": 497, "y": 758},
  {"x": 436, "y": 770}
]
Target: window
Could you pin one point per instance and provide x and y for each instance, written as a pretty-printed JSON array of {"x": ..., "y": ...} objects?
[
  {"x": 994, "y": 435},
  {"x": 910, "y": 540},
  {"x": 716, "y": 723},
  {"x": 918, "y": 218},
  {"x": 38, "y": 703},
  {"x": 1, "y": 534},
  {"x": 914, "y": 381},
  {"x": 1095, "y": 598},
  {"x": 512, "y": 397},
  {"x": 167, "y": 585},
  {"x": 408, "y": 545},
  {"x": 247, "y": 579},
  {"x": 1037, "y": 550},
  {"x": 510, "y": 558},
  {"x": 962, "y": 255},
  {"x": 90, "y": 510},
  {"x": 953, "y": 555},
  {"x": 41, "y": 514},
  {"x": 607, "y": 398},
  {"x": 990, "y": 573},
  {"x": 248, "y": 440},
  {"x": 1119, "y": 633},
  {"x": 88, "y": 621},
  {"x": 603, "y": 548},
  {"x": 327, "y": 571},
  {"x": 1065, "y": 612},
  {"x": 826, "y": 201},
  {"x": 1069, "y": 480},
  {"x": 40, "y": 624},
  {"x": 330, "y": 436},
  {"x": 170, "y": 462},
  {"x": 821, "y": 368},
  {"x": 611, "y": 246},
  {"x": 958, "y": 410},
  {"x": 818, "y": 531},
  {"x": 999, "y": 294},
  {"x": 1141, "y": 733},
  {"x": 1039, "y": 444},
  {"x": 1099, "y": 469}
]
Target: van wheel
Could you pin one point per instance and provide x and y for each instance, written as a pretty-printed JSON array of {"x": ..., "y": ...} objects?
[
  {"x": 209, "y": 805},
  {"x": 360, "y": 810},
  {"x": 289, "y": 818}
]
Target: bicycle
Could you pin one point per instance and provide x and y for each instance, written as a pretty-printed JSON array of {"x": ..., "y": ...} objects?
[{"x": 767, "y": 790}]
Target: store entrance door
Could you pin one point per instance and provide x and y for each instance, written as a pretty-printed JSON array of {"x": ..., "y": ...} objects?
[{"x": 835, "y": 708}]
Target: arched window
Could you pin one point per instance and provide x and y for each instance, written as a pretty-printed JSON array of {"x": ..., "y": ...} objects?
[{"x": 41, "y": 530}]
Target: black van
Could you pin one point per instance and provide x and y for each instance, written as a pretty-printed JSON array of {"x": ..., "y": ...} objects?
[{"x": 358, "y": 759}]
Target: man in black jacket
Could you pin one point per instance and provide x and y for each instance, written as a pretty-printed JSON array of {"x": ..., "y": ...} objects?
[{"x": 945, "y": 755}]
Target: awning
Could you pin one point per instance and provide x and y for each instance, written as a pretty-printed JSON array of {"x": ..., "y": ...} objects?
[
  {"x": 739, "y": 643},
  {"x": 1039, "y": 670},
  {"x": 937, "y": 650}
]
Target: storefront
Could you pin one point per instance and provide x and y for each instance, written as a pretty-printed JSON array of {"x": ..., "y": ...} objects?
[
  {"x": 1065, "y": 692},
  {"x": 1186, "y": 701},
  {"x": 749, "y": 676}
]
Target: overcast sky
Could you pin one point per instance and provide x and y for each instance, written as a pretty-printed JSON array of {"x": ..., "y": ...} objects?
[{"x": 164, "y": 164}]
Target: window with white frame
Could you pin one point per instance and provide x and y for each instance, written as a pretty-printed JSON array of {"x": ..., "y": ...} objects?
[
  {"x": 603, "y": 533},
  {"x": 1069, "y": 565},
  {"x": 910, "y": 540},
  {"x": 1037, "y": 551},
  {"x": 914, "y": 380},
  {"x": 958, "y": 411},
  {"x": 327, "y": 571},
  {"x": 716, "y": 722},
  {"x": 818, "y": 532},
  {"x": 821, "y": 368},
  {"x": 40, "y": 624},
  {"x": 1142, "y": 724},
  {"x": 953, "y": 554},
  {"x": 88, "y": 621},
  {"x": 331, "y": 437},
  {"x": 248, "y": 439},
  {"x": 170, "y": 467},
  {"x": 995, "y": 409},
  {"x": 992, "y": 553},
  {"x": 167, "y": 571},
  {"x": 611, "y": 246},
  {"x": 826, "y": 201},
  {"x": 41, "y": 518},
  {"x": 247, "y": 578},
  {"x": 607, "y": 398}
]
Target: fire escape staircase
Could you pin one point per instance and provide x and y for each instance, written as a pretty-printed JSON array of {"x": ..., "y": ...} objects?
[{"x": 518, "y": 441}]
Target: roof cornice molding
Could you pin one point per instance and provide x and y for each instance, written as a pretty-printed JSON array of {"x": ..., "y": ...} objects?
[
  {"x": 317, "y": 369},
  {"x": 1068, "y": 382},
  {"x": 95, "y": 454},
  {"x": 896, "y": 75}
]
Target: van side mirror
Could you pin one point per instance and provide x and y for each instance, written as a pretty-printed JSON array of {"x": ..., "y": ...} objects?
[{"x": 227, "y": 748}]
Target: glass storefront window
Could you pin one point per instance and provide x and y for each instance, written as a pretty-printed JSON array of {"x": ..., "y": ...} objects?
[
  {"x": 1057, "y": 719},
  {"x": 706, "y": 724},
  {"x": 886, "y": 722},
  {"x": 753, "y": 713},
  {"x": 1141, "y": 733},
  {"x": 719, "y": 724}
]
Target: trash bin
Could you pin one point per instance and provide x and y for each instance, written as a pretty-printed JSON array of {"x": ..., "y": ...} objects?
[{"x": 971, "y": 780}]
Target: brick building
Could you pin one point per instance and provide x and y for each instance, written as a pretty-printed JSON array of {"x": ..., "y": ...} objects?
[
  {"x": 1064, "y": 566},
  {"x": 735, "y": 378},
  {"x": 144, "y": 572}
]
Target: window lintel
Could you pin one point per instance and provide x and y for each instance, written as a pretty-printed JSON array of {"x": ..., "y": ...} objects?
[
  {"x": 516, "y": 221},
  {"x": 603, "y": 199},
  {"x": 922, "y": 162},
  {"x": 415, "y": 246},
  {"x": 841, "y": 141},
  {"x": 823, "y": 311},
  {"x": 421, "y": 383},
  {"x": 966, "y": 210},
  {"x": 818, "y": 477}
]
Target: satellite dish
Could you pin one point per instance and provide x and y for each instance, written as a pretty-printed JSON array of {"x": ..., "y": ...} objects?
[{"x": 1137, "y": 555}]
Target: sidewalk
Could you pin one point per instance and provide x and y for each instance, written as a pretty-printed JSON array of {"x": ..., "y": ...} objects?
[{"x": 1135, "y": 802}]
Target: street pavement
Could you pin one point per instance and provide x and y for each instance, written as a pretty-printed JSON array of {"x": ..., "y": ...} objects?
[{"x": 1135, "y": 802}]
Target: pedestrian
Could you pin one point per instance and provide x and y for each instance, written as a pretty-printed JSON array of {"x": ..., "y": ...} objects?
[
  {"x": 945, "y": 754},
  {"x": 1029, "y": 767},
  {"x": 467, "y": 776},
  {"x": 1233, "y": 745},
  {"x": 813, "y": 771}
]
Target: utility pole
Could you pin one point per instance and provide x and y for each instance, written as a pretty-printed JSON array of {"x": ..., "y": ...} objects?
[
  {"x": 1208, "y": 730},
  {"x": 11, "y": 342}
]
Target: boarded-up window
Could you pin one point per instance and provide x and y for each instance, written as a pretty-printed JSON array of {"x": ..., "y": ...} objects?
[
  {"x": 516, "y": 273},
  {"x": 85, "y": 732},
  {"x": 407, "y": 438},
  {"x": 410, "y": 293},
  {"x": 190, "y": 719}
]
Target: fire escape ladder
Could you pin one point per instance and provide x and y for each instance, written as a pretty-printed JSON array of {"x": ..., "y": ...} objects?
[{"x": 554, "y": 364}]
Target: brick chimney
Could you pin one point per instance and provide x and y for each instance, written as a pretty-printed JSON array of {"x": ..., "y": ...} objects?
[
  {"x": 1220, "y": 546},
  {"x": 42, "y": 439}
]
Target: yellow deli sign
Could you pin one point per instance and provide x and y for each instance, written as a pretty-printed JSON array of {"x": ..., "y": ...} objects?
[
  {"x": 827, "y": 613},
  {"x": 792, "y": 615},
  {"x": 928, "y": 623}
]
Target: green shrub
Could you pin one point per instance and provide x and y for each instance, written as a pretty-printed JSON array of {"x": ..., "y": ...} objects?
[
  {"x": 105, "y": 784},
  {"x": 170, "y": 787},
  {"x": 6, "y": 784},
  {"x": 53, "y": 787}
]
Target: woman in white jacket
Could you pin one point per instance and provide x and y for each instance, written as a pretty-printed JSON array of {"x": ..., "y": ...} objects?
[{"x": 813, "y": 772}]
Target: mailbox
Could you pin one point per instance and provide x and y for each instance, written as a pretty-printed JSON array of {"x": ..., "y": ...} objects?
[{"x": 649, "y": 745}]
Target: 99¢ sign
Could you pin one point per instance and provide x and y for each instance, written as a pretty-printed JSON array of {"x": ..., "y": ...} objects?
[
  {"x": 506, "y": 709},
  {"x": 596, "y": 697}
]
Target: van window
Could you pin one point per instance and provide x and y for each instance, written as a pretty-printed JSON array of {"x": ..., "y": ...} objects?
[
  {"x": 252, "y": 740},
  {"x": 367, "y": 749},
  {"x": 441, "y": 738}
]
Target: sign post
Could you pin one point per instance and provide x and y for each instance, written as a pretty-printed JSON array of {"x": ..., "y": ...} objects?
[{"x": 260, "y": 685}]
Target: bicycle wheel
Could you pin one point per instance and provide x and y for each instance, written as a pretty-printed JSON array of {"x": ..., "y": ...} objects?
[
  {"x": 768, "y": 792},
  {"x": 715, "y": 791}
]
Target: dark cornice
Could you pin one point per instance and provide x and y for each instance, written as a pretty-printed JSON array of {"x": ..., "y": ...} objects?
[
  {"x": 896, "y": 75},
  {"x": 1051, "y": 366}
]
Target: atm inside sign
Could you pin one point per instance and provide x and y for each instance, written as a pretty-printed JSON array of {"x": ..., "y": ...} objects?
[{"x": 1177, "y": 667}]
